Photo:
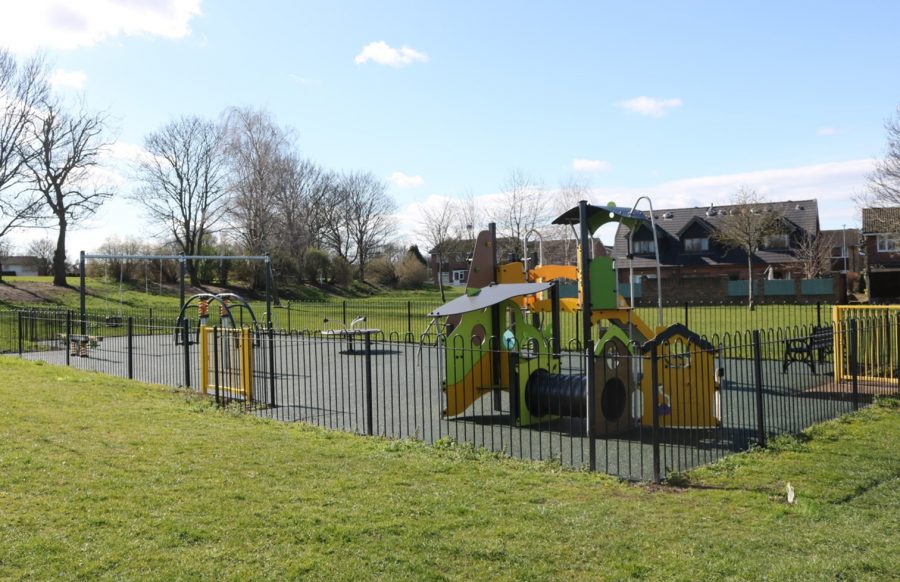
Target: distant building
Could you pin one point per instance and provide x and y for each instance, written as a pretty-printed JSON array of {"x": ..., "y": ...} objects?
[
  {"x": 20, "y": 266},
  {"x": 881, "y": 231},
  {"x": 844, "y": 250},
  {"x": 693, "y": 265}
]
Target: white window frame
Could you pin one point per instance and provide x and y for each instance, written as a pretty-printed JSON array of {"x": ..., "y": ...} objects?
[
  {"x": 643, "y": 247},
  {"x": 882, "y": 242}
]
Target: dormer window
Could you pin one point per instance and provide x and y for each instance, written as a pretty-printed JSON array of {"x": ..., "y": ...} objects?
[
  {"x": 777, "y": 241},
  {"x": 643, "y": 247},
  {"x": 696, "y": 245}
]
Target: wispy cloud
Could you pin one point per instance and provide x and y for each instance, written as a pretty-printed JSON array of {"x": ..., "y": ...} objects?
[
  {"x": 649, "y": 106},
  {"x": 305, "y": 81},
  {"x": 382, "y": 53},
  {"x": 66, "y": 25},
  {"x": 583, "y": 165},
  {"x": 401, "y": 180},
  {"x": 64, "y": 78},
  {"x": 826, "y": 131}
]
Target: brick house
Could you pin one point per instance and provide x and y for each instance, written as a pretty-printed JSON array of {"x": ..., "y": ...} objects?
[
  {"x": 693, "y": 264},
  {"x": 845, "y": 250},
  {"x": 881, "y": 233}
]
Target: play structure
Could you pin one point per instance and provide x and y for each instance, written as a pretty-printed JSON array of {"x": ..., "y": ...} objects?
[
  {"x": 875, "y": 342},
  {"x": 498, "y": 341}
]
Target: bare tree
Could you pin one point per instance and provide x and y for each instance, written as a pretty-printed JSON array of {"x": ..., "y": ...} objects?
[
  {"x": 814, "y": 255},
  {"x": 436, "y": 227},
  {"x": 368, "y": 215},
  {"x": 62, "y": 151},
  {"x": 522, "y": 208},
  {"x": 746, "y": 226},
  {"x": 884, "y": 181},
  {"x": 42, "y": 249},
  {"x": 570, "y": 193},
  {"x": 22, "y": 87},
  {"x": 262, "y": 164},
  {"x": 182, "y": 182}
]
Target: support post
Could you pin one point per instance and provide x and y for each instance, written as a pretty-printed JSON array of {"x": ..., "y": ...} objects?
[
  {"x": 854, "y": 364},
  {"x": 82, "y": 304},
  {"x": 344, "y": 312},
  {"x": 181, "y": 266},
  {"x": 654, "y": 403},
  {"x": 289, "y": 316},
  {"x": 757, "y": 376},
  {"x": 409, "y": 334},
  {"x": 369, "y": 426},
  {"x": 268, "y": 292},
  {"x": 686, "y": 311},
  {"x": 590, "y": 373},
  {"x": 185, "y": 341},
  {"x": 271, "y": 366},
  {"x": 818, "y": 314},
  {"x": 215, "y": 362},
  {"x": 896, "y": 368},
  {"x": 130, "y": 347},
  {"x": 21, "y": 336},
  {"x": 555, "y": 323},
  {"x": 496, "y": 401},
  {"x": 68, "y": 337}
]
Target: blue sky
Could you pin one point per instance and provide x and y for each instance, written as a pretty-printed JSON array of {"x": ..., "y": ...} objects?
[{"x": 682, "y": 101}]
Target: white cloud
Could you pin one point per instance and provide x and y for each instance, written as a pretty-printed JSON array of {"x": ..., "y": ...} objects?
[
  {"x": 64, "y": 78},
  {"x": 305, "y": 81},
  {"x": 649, "y": 106},
  {"x": 66, "y": 25},
  {"x": 382, "y": 53},
  {"x": 826, "y": 131},
  {"x": 582, "y": 165},
  {"x": 401, "y": 180}
]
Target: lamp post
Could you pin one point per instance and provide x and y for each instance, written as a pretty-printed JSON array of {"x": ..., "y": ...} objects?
[{"x": 844, "y": 248}]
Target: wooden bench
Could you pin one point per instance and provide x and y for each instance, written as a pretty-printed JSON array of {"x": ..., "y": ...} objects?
[{"x": 810, "y": 349}]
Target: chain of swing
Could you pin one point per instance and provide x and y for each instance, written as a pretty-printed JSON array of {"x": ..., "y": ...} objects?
[{"x": 118, "y": 318}]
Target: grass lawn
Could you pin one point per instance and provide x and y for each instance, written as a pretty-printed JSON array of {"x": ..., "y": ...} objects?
[{"x": 105, "y": 478}]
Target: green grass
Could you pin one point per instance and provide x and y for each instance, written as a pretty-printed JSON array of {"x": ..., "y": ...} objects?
[{"x": 105, "y": 478}]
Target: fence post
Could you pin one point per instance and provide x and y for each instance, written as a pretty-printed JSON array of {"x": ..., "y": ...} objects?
[
  {"x": 686, "y": 307},
  {"x": 654, "y": 403},
  {"x": 271, "y": 366},
  {"x": 20, "y": 337},
  {"x": 68, "y": 337},
  {"x": 896, "y": 366},
  {"x": 215, "y": 362},
  {"x": 854, "y": 365},
  {"x": 369, "y": 427},
  {"x": 130, "y": 347},
  {"x": 186, "y": 336},
  {"x": 818, "y": 313},
  {"x": 149, "y": 316},
  {"x": 289, "y": 315},
  {"x": 757, "y": 374},
  {"x": 344, "y": 312},
  {"x": 408, "y": 320}
]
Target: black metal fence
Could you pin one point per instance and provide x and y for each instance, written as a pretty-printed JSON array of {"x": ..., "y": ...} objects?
[{"x": 664, "y": 407}]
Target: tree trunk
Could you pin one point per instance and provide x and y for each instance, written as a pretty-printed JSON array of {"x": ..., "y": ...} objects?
[
  {"x": 191, "y": 268},
  {"x": 59, "y": 256},
  {"x": 441, "y": 279},
  {"x": 750, "y": 281}
]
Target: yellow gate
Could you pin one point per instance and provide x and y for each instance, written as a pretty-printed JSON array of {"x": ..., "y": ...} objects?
[
  {"x": 876, "y": 341},
  {"x": 228, "y": 365}
]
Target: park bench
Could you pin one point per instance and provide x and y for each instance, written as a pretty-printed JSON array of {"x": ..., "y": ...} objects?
[{"x": 810, "y": 349}]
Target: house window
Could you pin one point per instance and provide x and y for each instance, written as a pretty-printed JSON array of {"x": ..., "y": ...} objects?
[
  {"x": 644, "y": 247},
  {"x": 888, "y": 243},
  {"x": 696, "y": 245},
  {"x": 777, "y": 241},
  {"x": 459, "y": 276}
]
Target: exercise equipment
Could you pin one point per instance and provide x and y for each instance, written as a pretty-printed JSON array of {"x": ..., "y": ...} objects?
[{"x": 492, "y": 347}]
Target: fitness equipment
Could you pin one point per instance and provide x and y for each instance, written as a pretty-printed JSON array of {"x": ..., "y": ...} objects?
[
  {"x": 519, "y": 360},
  {"x": 228, "y": 302}
]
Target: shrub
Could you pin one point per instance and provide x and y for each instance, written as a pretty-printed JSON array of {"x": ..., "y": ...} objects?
[
  {"x": 316, "y": 264},
  {"x": 411, "y": 274},
  {"x": 341, "y": 271},
  {"x": 382, "y": 271}
]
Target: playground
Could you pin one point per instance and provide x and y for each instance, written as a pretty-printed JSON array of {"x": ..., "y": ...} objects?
[{"x": 638, "y": 398}]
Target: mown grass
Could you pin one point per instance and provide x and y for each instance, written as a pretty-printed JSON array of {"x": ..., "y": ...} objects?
[{"x": 105, "y": 478}]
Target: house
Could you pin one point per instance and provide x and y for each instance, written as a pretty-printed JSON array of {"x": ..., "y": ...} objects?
[
  {"x": 20, "y": 266},
  {"x": 454, "y": 267},
  {"x": 844, "y": 250},
  {"x": 881, "y": 233},
  {"x": 693, "y": 264}
]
